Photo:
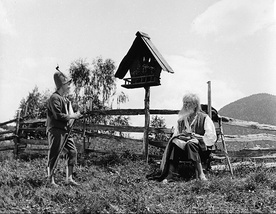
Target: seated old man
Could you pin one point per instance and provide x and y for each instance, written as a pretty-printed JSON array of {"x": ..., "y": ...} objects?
[{"x": 193, "y": 133}]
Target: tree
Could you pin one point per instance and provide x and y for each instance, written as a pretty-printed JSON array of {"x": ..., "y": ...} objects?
[
  {"x": 158, "y": 122},
  {"x": 122, "y": 98},
  {"x": 80, "y": 74},
  {"x": 97, "y": 84},
  {"x": 34, "y": 106},
  {"x": 102, "y": 82},
  {"x": 95, "y": 87}
]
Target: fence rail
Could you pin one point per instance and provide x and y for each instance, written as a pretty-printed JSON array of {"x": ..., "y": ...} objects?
[{"x": 25, "y": 127}]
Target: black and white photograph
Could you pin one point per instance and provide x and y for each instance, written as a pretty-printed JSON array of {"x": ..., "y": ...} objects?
[{"x": 137, "y": 106}]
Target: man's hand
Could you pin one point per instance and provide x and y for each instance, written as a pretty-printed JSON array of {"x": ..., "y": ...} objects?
[
  {"x": 194, "y": 140},
  {"x": 183, "y": 137},
  {"x": 187, "y": 134}
]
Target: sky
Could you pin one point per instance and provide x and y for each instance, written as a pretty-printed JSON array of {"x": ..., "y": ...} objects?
[{"x": 230, "y": 43}]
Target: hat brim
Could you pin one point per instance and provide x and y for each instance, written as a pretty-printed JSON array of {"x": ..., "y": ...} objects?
[{"x": 68, "y": 82}]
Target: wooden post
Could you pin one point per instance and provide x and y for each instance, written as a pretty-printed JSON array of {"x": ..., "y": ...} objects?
[
  {"x": 147, "y": 122},
  {"x": 16, "y": 139},
  {"x": 209, "y": 100}
]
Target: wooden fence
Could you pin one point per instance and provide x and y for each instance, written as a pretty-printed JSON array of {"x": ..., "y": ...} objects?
[{"x": 32, "y": 132}]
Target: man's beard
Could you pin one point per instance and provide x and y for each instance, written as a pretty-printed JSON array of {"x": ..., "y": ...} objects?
[{"x": 184, "y": 113}]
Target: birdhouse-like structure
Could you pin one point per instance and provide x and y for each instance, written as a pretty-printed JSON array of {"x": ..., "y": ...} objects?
[{"x": 144, "y": 62}]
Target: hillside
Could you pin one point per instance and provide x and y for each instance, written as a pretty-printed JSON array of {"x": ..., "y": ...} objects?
[{"x": 258, "y": 108}]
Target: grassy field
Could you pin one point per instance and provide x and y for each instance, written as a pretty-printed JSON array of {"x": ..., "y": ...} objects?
[{"x": 115, "y": 183}]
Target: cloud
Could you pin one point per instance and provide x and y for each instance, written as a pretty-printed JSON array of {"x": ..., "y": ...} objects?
[
  {"x": 6, "y": 28},
  {"x": 230, "y": 20},
  {"x": 223, "y": 93},
  {"x": 192, "y": 72}
]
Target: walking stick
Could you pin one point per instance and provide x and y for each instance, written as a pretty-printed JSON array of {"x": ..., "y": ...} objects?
[
  {"x": 62, "y": 147},
  {"x": 224, "y": 148}
]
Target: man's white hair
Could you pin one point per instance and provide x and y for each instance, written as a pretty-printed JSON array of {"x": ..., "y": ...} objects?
[{"x": 191, "y": 103}]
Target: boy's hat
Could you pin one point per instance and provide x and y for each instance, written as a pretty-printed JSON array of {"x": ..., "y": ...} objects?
[{"x": 60, "y": 79}]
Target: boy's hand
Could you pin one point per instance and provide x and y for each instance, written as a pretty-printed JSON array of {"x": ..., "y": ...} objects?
[{"x": 76, "y": 115}]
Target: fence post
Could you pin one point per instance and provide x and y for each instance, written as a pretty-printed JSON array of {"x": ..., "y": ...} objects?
[
  {"x": 16, "y": 139},
  {"x": 209, "y": 100},
  {"x": 147, "y": 121}
]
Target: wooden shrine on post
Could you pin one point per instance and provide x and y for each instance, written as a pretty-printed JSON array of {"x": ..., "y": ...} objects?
[{"x": 144, "y": 63}]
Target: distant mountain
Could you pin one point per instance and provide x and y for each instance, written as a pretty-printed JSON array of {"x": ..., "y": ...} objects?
[{"x": 259, "y": 108}]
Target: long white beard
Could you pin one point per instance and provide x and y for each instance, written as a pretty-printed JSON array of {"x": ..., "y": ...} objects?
[{"x": 184, "y": 114}]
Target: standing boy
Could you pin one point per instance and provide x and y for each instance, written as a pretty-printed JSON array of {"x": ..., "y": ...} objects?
[{"x": 60, "y": 117}]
